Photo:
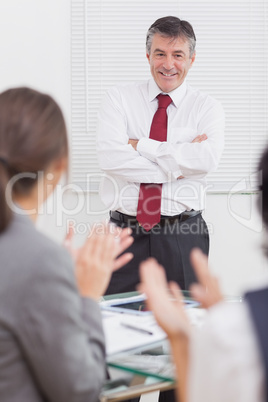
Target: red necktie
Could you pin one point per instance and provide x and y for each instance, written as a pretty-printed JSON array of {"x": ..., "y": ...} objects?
[{"x": 149, "y": 204}]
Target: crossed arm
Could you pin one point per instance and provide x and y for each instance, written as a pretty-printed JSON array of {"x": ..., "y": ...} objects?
[
  {"x": 199, "y": 139},
  {"x": 157, "y": 162}
]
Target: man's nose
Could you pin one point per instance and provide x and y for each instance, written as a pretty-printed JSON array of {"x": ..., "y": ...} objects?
[{"x": 169, "y": 63}]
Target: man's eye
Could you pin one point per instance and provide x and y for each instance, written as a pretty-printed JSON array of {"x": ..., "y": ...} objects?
[
  {"x": 178, "y": 56},
  {"x": 159, "y": 54}
]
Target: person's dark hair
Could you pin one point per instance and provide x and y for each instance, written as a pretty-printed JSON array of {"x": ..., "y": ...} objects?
[
  {"x": 263, "y": 187},
  {"x": 171, "y": 27},
  {"x": 32, "y": 135}
]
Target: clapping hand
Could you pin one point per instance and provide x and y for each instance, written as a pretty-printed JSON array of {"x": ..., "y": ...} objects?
[
  {"x": 163, "y": 299},
  {"x": 100, "y": 255},
  {"x": 166, "y": 300},
  {"x": 207, "y": 290}
]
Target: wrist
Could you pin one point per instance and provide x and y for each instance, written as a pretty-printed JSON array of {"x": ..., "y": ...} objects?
[
  {"x": 179, "y": 337},
  {"x": 180, "y": 346}
]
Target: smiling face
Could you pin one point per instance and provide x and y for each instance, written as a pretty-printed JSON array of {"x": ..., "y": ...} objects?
[{"x": 170, "y": 61}]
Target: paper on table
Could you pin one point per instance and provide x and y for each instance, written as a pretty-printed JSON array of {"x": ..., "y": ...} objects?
[
  {"x": 133, "y": 299},
  {"x": 156, "y": 364},
  {"x": 120, "y": 338}
]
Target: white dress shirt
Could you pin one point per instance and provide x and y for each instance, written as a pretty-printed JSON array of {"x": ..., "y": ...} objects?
[
  {"x": 126, "y": 113},
  {"x": 225, "y": 360}
]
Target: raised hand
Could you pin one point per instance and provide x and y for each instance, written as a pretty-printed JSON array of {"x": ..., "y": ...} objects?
[
  {"x": 165, "y": 300},
  {"x": 68, "y": 242},
  {"x": 167, "y": 306},
  {"x": 207, "y": 291},
  {"x": 97, "y": 259}
]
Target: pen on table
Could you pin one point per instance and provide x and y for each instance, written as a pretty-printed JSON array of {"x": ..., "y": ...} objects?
[{"x": 142, "y": 330}]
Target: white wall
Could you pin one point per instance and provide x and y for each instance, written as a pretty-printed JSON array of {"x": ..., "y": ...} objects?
[
  {"x": 35, "y": 47},
  {"x": 35, "y": 51}
]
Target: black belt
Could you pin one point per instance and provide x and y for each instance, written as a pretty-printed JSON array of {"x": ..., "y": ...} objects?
[{"x": 131, "y": 220}]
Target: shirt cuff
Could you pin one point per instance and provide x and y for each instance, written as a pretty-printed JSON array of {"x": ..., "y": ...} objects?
[{"x": 148, "y": 148}]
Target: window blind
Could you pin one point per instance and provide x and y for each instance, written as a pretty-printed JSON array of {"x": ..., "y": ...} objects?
[{"x": 108, "y": 47}]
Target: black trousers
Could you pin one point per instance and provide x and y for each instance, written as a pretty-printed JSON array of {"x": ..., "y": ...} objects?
[{"x": 170, "y": 245}]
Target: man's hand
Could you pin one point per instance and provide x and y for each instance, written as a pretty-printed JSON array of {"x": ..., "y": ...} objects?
[
  {"x": 199, "y": 138},
  {"x": 207, "y": 291},
  {"x": 134, "y": 143}
]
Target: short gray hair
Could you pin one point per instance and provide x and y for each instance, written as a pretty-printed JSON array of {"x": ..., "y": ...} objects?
[{"x": 171, "y": 27}]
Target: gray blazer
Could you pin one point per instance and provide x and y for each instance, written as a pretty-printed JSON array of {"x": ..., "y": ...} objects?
[{"x": 51, "y": 340}]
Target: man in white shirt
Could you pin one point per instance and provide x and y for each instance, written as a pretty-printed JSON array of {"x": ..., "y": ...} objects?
[{"x": 131, "y": 157}]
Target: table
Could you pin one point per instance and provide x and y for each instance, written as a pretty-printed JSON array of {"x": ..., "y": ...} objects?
[
  {"x": 132, "y": 376},
  {"x": 135, "y": 373}
]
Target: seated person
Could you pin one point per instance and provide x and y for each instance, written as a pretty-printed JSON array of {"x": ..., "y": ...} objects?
[
  {"x": 51, "y": 338},
  {"x": 227, "y": 359}
]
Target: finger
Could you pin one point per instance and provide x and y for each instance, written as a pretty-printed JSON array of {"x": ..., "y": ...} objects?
[
  {"x": 122, "y": 237},
  {"x": 199, "y": 294},
  {"x": 177, "y": 294},
  {"x": 106, "y": 246},
  {"x": 175, "y": 291},
  {"x": 121, "y": 261},
  {"x": 150, "y": 267},
  {"x": 140, "y": 288},
  {"x": 200, "y": 263},
  {"x": 69, "y": 236},
  {"x": 200, "y": 138},
  {"x": 153, "y": 277},
  {"x": 89, "y": 247},
  {"x": 123, "y": 245},
  {"x": 150, "y": 262},
  {"x": 196, "y": 139},
  {"x": 123, "y": 232}
]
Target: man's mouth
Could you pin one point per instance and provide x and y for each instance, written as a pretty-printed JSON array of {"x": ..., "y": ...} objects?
[{"x": 167, "y": 75}]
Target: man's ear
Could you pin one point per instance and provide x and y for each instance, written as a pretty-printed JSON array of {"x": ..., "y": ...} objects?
[
  {"x": 193, "y": 59},
  {"x": 148, "y": 57}
]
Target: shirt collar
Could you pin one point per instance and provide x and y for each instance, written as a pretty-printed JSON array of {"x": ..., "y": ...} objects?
[{"x": 176, "y": 95}]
